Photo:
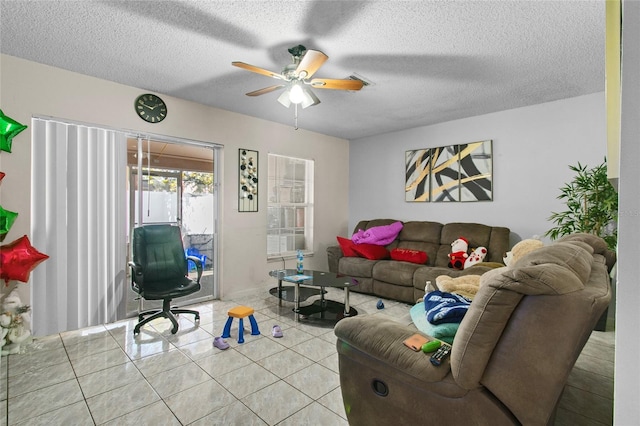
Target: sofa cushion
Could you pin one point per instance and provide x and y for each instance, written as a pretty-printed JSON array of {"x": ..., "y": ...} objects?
[
  {"x": 346, "y": 245},
  {"x": 371, "y": 251},
  {"x": 394, "y": 272},
  {"x": 409, "y": 255},
  {"x": 356, "y": 267}
]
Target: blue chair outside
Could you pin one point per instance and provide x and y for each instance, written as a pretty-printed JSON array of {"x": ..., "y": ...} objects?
[{"x": 192, "y": 251}]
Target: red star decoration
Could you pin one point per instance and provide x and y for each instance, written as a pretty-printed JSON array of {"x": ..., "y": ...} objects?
[{"x": 18, "y": 259}]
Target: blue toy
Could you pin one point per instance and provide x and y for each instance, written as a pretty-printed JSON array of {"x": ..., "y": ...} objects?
[{"x": 380, "y": 305}]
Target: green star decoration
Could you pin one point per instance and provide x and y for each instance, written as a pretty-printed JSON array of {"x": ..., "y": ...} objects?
[
  {"x": 8, "y": 129},
  {"x": 6, "y": 221}
]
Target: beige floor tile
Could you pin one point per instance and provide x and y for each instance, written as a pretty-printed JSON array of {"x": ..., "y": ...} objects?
[
  {"x": 333, "y": 401},
  {"x": 33, "y": 380},
  {"x": 223, "y": 362},
  {"x": 155, "y": 414},
  {"x": 246, "y": 380},
  {"x": 314, "y": 414},
  {"x": 154, "y": 364},
  {"x": 236, "y": 414},
  {"x": 260, "y": 348},
  {"x": 315, "y": 380},
  {"x": 108, "y": 379},
  {"x": 49, "y": 399},
  {"x": 199, "y": 401},
  {"x": 99, "y": 361},
  {"x": 285, "y": 363},
  {"x": 74, "y": 414},
  {"x": 315, "y": 349},
  {"x": 178, "y": 379},
  {"x": 276, "y": 402},
  {"x": 121, "y": 401}
]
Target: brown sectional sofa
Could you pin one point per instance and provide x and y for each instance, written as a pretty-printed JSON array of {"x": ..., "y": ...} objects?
[
  {"x": 511, "y": 356},
  {"x": 406, "y": 281}
]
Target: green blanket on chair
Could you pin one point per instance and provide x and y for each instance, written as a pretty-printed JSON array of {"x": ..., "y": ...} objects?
[{"x": 444, "y": 332}]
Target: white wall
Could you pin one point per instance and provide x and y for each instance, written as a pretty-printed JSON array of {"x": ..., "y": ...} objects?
[
  {"x": 627, "y": 373},
  {"x": 30, "y": 89},
  {"x": 532, "y": 149}
]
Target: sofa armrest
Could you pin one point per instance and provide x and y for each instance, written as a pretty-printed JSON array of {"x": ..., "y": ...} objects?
[
  {"x": 382, "y": 340},
  {"x": 334, "y": 253}
]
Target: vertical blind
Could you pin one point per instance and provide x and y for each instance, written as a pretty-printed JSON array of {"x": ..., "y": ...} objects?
[{"x": 78, "y": 205}]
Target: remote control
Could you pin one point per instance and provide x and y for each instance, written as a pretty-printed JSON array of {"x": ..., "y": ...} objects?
[{"x": 440, "y": 355}]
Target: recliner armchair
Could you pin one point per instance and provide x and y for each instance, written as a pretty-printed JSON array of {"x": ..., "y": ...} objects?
[
  {"x": 510, "y": 358},
  {"x": 159, "y": 272}
]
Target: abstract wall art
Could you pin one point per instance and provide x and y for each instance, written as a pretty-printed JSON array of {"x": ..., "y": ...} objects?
[{"x": 450, "y": 173}]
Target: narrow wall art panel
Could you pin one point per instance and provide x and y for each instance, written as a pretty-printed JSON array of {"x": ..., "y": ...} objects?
[
  {"x": 417, "y": 174},
  {"x": 247, "y": 180},
  {"x": 476, "y": 170},
  {"x": 445, "y": 174}
]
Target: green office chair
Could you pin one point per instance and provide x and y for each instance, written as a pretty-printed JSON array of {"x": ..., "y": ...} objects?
[{"x": 159, "y": 272}]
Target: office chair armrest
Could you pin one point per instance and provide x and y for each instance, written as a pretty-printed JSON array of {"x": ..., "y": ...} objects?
[
  {"x": 135, "y": 269},
  {"x": 198, "y": 263}
]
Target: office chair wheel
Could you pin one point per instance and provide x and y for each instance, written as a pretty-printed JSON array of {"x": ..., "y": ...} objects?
[
  {"x": 174, "y": 330},
  {"x": 197, "y": 317}
]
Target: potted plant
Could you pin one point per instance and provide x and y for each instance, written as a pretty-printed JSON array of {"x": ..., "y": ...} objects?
[{"x": 592, "y": 205}]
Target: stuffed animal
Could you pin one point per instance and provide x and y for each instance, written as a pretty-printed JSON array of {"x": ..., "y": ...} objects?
[
  {"x": 466, "y": 285},
  {"x": 476, "y": 256},
  {"x": 520, "y": 249},
  {"x": 458, "y": 254},
  {"x": 14, "y": 322}
]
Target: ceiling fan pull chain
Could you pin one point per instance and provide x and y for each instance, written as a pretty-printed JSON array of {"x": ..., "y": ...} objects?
[{"x": 296, "y": 115}]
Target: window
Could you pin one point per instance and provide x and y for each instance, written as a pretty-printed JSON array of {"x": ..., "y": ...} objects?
[{"x": 290, "y": 209}]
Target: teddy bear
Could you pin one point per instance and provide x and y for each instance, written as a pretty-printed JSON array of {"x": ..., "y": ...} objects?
[
  {"x": 458, "y": 254},
  {"x": 14, "y": 322},
  {"x": 520, "y": 249},
  {"x": 476, "y": 256},
  {"x": 465, "y": 285}
]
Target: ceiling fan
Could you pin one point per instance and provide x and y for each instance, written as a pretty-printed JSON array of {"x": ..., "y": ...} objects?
[{"x": 296, "y": 78}]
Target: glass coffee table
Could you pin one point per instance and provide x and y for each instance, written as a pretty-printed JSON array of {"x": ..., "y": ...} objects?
[{"x": 322, "y": 309}]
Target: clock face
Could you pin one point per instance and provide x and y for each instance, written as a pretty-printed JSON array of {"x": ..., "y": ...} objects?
[{"x": 151, "y": 108}]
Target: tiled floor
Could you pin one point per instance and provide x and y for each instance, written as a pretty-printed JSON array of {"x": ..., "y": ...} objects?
[{"x": 102, "y": 375}]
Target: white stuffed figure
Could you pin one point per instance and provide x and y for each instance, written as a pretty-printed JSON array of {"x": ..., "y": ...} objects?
[
  {"x": 476, "y": 256},
  {"x": 14, "y": 322}
]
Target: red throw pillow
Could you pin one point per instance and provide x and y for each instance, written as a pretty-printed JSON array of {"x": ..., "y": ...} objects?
[
  {"x": 371, "y": 251},
  {"x": 409, "y": 255},
  {"x": 347, "y": 247}
]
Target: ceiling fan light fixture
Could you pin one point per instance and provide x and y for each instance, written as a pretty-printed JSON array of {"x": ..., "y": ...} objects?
[
  {"x": 310, "y": 98},
  {"x": 284, "y": 99},
  {"x": 296, "y": 94}
]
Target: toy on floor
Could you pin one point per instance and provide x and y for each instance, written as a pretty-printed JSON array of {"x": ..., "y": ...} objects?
[
  {"x": 276, "y": 331},
  {"x": 380, "y": 304}
]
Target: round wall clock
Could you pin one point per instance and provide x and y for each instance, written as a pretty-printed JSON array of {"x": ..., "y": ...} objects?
[{"x": 150, "y": 108}]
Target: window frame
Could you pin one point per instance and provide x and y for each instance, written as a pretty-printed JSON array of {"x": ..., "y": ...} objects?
[{"x": 286, "y": 176}]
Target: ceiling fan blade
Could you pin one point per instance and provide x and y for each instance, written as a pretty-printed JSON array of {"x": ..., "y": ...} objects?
[
  {"x": 258, "y": 70},
  {"x": 265, "y": 90},
  {"x": 310, "y": 63},
  {"x": 331, "y": 83}
]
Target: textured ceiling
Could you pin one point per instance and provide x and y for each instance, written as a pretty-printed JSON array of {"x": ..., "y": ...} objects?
[{"x": 428, "y": 61}]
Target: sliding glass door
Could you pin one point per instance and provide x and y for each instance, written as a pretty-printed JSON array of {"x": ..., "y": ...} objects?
[{"x": 176, "y": 184}]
